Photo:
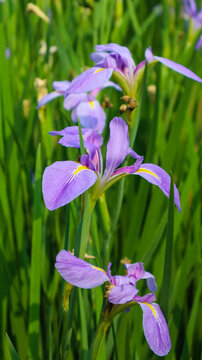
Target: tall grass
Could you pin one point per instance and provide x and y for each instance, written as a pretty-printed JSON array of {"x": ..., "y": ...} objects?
[{"x": 39, "y": 319}]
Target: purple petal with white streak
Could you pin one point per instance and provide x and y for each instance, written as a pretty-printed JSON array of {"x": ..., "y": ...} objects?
[
  {"x": 63, "y": 181},
  {"x": 79, "y": 272},
  {"x": 157, "y": 176},
  {"x": 155, "y": 329}
]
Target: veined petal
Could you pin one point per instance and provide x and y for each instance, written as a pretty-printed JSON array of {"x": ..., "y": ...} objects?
[
  {"x": 157, "y": 176},
  {"x": 122, "y": 294},
  {"x": 172, "y": 65},
  {"x": 118, "y": 145},
  {"x": 90, "y": 79},
  {"x": 79, "y": 272},
  {"x": 63, "y": 181},
  {"x": 91, "y": 115},
  {"x": 155, "y": 329},
  {"x": 47, "y": 98}
]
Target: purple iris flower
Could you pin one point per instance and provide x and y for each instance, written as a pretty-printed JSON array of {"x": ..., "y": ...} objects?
[
  {"x": 119, "y": 58},
  {"x": 63, "y": 181},
  {"x": 121, "y": 290},
  {"x": 190, "y": 12},
  {"x": 84, "y": 105}
]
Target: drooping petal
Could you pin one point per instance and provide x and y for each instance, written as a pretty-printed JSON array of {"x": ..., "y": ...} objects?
[
  {"x": 47, "y": 98},
  {"x": 91, "y": 115},
  {"x": 63, "y": 181},
  {"x": 157, "y": 176},
  {"x": 61, "y": 86},
  {"x": 122, "y": 294},
  {"x": 137, "y": 271},
  {"x": 151, "y": 283},
  {"x": 79, "y": 272},
  {"x": 89, "y": 80},
  {"x": 155, "y": 329},
  {"x": 172, "y": 65},
  {"x": 118, "y": 145}
]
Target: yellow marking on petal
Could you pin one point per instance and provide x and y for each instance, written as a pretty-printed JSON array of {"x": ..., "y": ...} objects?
[
  {"x": 91, "y": 104},
  {"x": 147, "y": 171},
  {"x": 97, "y": 268},
  {"x": 151, "y": 307},
  {"x": 98, "y": 70},
  {"x": 80, "y": 168}
]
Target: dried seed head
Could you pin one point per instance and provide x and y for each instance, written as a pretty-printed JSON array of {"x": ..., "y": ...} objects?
[
  {"x": 126, "y": 98},
  {"x": 132, "y": 104},
  {"x": 106, "y": 104},
  {"x": 123, "y": 108}
]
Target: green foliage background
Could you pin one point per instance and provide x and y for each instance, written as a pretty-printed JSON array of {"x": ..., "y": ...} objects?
[{"x": 35, "y": 320}]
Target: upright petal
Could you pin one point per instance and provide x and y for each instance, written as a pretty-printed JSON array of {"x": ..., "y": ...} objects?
[
  {"x": 118, "y": 145},
  {"x": 172, "y": 65},
  {"x": 89, "y": 80},
  {"x": 157, "y": 176},
  {"x": 122, "y": 51},
  {"x": 79, "y": 272},
  {"x": 47, "y": 98},
  {"x": 137, "y": 271},
  {"x": 155, "y": 329},
  {"x": 104, "y": 60},
  {"x": 63, "y": 181}
]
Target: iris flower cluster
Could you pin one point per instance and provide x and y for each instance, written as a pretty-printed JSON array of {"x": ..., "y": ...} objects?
[
  {"x": 121, "y": 290},
  {"x": 63, "y": 181},
  {"x": 110, "y": 59}
]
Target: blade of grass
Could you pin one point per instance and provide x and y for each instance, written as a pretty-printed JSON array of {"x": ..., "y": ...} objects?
[
  {"x": 12, "y": 350},
  {"x": 35, "y": 272},
  {"x": 165, "y": 291}
]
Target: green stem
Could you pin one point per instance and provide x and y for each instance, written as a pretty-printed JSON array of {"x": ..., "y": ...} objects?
[
  {"x": 109, "y": 312},
  {"x": 88, "y": 209},
  {"x": 120, "y": 80}
]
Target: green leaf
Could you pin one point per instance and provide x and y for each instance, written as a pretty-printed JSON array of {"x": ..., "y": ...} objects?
[{"x": 166, "y": 285}]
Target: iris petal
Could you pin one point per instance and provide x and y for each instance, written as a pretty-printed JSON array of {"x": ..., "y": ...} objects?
[
  {"x": 155, "y": 329},
  {"x": 79, "y": 272},
  {"x": 63, "y": 181},
  {"x": 157, "y": 176}
]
